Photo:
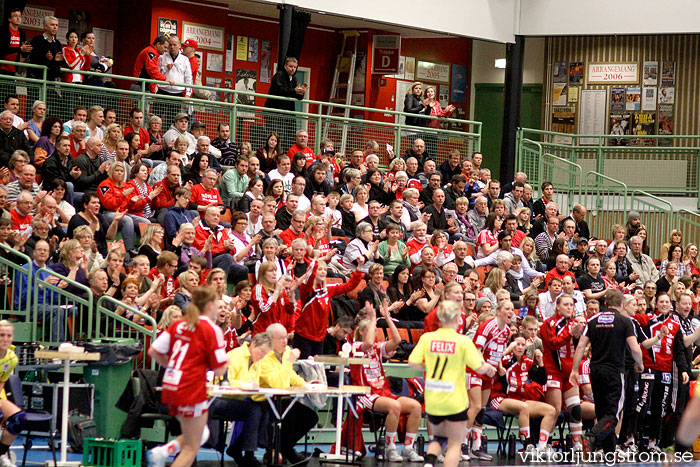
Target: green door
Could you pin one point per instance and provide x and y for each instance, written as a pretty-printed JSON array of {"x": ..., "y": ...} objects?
[{"x": 488, "y": 109}]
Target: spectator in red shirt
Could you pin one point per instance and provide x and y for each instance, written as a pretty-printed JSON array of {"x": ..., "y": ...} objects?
[
  {"x": 222, "y": 249},
  {"x": 13, "y": 42},
  {"x": 302, "y": 140},
  {"x": 560, "y": 271},
  {"x": 166, "y": 267},
  {"x": 135, "y": 126},
  {"x": 296, "y": 229},
  {"x": 205, "y": 194},
  {"x": 78, "y": 140},
  {"x": 189, "y": 47},
  {"x": 22, "y": 214},
  {"x": 146, "y": 65}
]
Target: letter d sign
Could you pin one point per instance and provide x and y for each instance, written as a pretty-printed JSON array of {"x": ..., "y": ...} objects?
[{"x": 386, "y": 61}]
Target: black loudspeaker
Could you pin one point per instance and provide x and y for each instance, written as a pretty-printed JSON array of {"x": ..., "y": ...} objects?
[{"x": 48, "y": 397}]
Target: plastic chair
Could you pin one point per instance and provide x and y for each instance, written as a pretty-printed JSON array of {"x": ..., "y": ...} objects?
[
  {"x": 415, "y": 335},
  {"x": 34, "y": 421}
]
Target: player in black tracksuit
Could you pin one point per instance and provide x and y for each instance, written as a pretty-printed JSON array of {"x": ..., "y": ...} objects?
[{"x": 607, "y": 332}]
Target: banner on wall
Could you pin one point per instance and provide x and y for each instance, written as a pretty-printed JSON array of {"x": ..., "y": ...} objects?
[
  {"x": 167, "y": 27},
  {"x": 592, "y": 114},
  {"x": 619, "y": 126},
  {"x": 643, "y": 123},
  {"x": 229, "y": 54},
  {"x": 607, "y": 73},
  {"x": 385, "y": 54},
  {"x": 33, "y": 17},
  {"x": 665, "y": 124},
  {"x": 429, "y": 71},
  {"x": 207, "y": 37}
]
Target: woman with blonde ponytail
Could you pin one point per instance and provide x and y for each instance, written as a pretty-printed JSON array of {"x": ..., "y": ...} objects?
[{"x": 188, "y": 349}]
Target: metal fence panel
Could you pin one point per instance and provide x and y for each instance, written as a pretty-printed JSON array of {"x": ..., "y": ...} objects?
[{"x": 656, "y": 215}]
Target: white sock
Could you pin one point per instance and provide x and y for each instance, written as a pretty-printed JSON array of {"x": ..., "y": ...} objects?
[
  {"x": 172, "y": 447},
  {"x": 391, "y": 439},
  {"x": 544, "y": 438},
  {"x": 408, "y": 441},
  {"x": 476, "y": 438}
]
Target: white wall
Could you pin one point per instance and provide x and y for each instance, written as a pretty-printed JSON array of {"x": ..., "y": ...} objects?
[
  {"x": 483, "y": 70},
  {"x": 483, "y": 19},
  {"x": 594, "y": 17}
]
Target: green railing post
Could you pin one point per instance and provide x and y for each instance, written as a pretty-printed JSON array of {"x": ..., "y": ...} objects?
[
  {"x": 42, "y": 89},
  {"x": 599, "y": 164},
  {"x": 697, "y": 176},
  {"x": 234, "y": 117},
  {"x": 143, "y": 99},
  {"x": 397, "y": 137},
  {"x": 318, "y": 130}
]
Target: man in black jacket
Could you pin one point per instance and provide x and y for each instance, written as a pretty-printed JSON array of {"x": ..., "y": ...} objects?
[
  {"x": 92, "y": 171},
  {"x": 46, "y": 51},
  {"x": 284, "y": 84},
  {"x": 11, "y": 139},
  {"x": 316, "y": 183},
  {"x": 60, "y": 165},
  {"x": 13, "y": 42}
]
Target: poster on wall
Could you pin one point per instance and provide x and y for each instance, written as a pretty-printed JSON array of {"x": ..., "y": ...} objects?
[
  {"x": 668, "y": 74},
  {"x": 215, "y": 62},
  {"x": 648, "y": 98},
  {"x": 563, "y": 121},
  {"x": 429, "y": 71},
  {"x": 246, "y": 80},
  {"x": 402, "y": 87},
  {"x": 444, "y": 95},
  {"x": 576, "y": 73},
  {"x": 667, "y": 95},
  {"x": 265, "y": 61},
  {"x": 228, "y": 84},
  {"x": 104, "y": 41},
  {"x": 33, "y": 18},
  {"x": 651, "y": 73},
  {"x": 459, "y": 84},
  {"x": 619, "y": 126},
  {"x": 253, "y": 50},
  {"x": 410, "y": 72},
  {"x": 592, "y": 114},
  {"x": 360, "y": 77},
  {"x": 573, "y": 94},
  {"x": 559, "y": 94},
  {"x": 666, "y": 124},
  {"x": 559, "y": 72},
  {"x": 167, "y": 27},
  {"x": 62, "y": 27},
  {"x": 229, "y": 54},
  {"x": 461, "y": 114},
  {"x": 207, "y": 37},
  {"x": 214, "y": 83},
  {"x": 643, "y": 123},
  {"x": 633, "y": 98},
  {"x": 242, "y": 48},
  {"x": 617, "y": 99}
]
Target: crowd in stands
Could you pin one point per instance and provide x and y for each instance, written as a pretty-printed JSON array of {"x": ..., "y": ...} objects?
[{"x": 284, "y": 235}]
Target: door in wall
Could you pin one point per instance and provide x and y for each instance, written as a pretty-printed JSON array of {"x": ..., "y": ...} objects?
[{"x": 488, "y": 109}]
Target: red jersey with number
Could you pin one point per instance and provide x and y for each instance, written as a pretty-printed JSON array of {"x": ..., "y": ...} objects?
[
  {"x": 371, "y": 374},
  {"x": 193, "y": 351},
  {"x": 558, "y": 344},
  {"x": 491, "y": 341},
  {"x": 20, "y": 223},
  {"x": 517, "y": 377},
  {"x": 268, "y": 312},
  {"x": 660, "y": 355}
]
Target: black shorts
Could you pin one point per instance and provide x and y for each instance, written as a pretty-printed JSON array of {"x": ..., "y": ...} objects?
[{"x": 457, "y": 417}]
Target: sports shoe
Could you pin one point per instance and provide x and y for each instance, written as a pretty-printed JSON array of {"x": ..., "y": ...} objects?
[
  {"x": 465, "y": 457},
  {"x": 156, "y": 457},
  {"x": 411, "y": 455},
  {"x": 6, "y": 461},
  {"x": 391, "y": 454},
  {"x": 482, "y": 455},
  {"x": 441, "y": 458},
  {"x": 544, "y": 453}
]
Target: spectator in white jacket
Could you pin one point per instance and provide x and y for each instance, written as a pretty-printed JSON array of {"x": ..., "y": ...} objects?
[
  {"x": 362, "y": 245},
  {"x": 176, "y": 68}
]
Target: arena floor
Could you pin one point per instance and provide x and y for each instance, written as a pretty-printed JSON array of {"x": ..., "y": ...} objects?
[{"x": 40, "y": 454}]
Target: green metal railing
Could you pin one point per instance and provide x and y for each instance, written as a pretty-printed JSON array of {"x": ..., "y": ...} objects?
[
  {"x": 566, "y": 177},
  {"x": 689, "y": 224},
  {"x": 675, "y": 156},
  {"x": 249, "y": 120},
  {"x": 113, "y": 325},
  {"x": 64, "y": 315},
  {"x": 15, "y": 290}
]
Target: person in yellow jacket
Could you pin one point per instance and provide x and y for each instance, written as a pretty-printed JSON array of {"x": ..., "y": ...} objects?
[
  {"x": 277, "y": 371},
  {"x": 244, "y": 364},
  {"x": 13, "y": 416},
  {"x": 444, "y": 354}
]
